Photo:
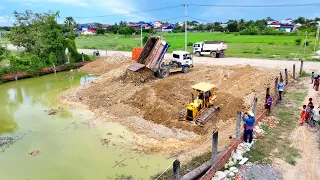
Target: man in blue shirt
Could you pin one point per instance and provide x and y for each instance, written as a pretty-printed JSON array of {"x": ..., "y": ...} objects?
[
  {"x": 280, "y": 89},
  {"x": 249, "y": 124}
]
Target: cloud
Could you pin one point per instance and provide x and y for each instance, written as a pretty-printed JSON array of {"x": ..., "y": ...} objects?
[
  {"x": 123, "y": 7},
  {"x": 6, "y": 20}
]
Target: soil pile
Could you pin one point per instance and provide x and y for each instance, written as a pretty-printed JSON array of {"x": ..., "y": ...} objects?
[
  {"x": 106, "y": 64},
  {"x": 144, "y": 75},
  {"x": 123, "y": 93}
]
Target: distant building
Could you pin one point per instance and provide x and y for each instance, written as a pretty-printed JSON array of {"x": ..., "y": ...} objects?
[
  {"x": 167, "y": 29},
  {"x": 105, "y": 26},
  {"x": 271, "y": 21},
  {"x": 282, "y": 26},
  {"x": 157, "y": 24},
  {"x": 83, "y": 27}
]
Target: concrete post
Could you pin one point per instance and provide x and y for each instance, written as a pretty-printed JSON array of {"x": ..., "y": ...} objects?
[
  {"x": 301, "y": 68},
  {"x": 82, "y": 57},
  {"x": 276, "y": 89},
  {"x": 286, "y": 74},
  {"x": 176, "y": 169},
  {"x": 267, "y": 92},
  {"x": 238, "y": 124},
  {"x": 281, "y": 78},
  {"x": 254, "y": 108},
  {"x": 294, "y": 72},
  {"x": 214, "y": 148}
]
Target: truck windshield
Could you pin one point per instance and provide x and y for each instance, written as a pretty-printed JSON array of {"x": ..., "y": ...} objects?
[
  {"x": 176, "y": 56},
  {"x": 196, "y": 45}
]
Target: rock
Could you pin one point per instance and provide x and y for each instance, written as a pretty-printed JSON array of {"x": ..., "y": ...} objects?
[
  {"x": 231, "y": 174},
  {"x": 226, "y": 172},
  {"x": 220, "y": 174},
  {"x": 231, "y": 163},
  {"x": 234, "y": 170},
  {"x": 238, "y": 157},
  {"x": 244, "y": 160}
]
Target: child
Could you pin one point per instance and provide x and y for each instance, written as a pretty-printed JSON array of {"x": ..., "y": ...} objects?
[
  {"x": 312, "y": 77},
  {"x": 308, "y": 110},
  {"x": 310, "y": 100},
  {"x": 280, "y": 89},
  {"x": 269, "y": 103},
  {"x": 303, "y": 115}
]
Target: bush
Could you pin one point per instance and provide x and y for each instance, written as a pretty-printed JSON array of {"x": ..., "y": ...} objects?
[
  {"x": 4, "y": 70},
  {"x": 298, "y": 41},
  {"x": 307, "y": 43},
  {"x": 145, "y": 39},
  {"x": 271, "y": 43},
  {"x": 189, "y": 44},
  {"x": 251, "y": 30}
]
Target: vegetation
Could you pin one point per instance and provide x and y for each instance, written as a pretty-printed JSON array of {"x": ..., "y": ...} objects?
[
  {"x": 259, "y": 46},
  {"x": 43, "y": 40}
]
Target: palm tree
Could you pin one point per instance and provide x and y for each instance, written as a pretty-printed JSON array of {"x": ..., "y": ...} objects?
[{"x": 69, "y": 22}]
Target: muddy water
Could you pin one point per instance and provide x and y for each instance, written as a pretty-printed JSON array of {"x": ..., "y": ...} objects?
[{"x": 68, "y": 147}]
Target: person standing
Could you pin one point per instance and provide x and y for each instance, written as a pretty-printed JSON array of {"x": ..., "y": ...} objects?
[
  {"x": 280, "y": 89},
  {"x": 249, "y": 124},
  {"x": 312, "y": 77},
  {"x": 303, "y": 115},
  {"x": 269, "y": 103}
]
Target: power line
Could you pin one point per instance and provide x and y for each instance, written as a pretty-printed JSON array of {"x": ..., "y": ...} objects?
[
  {"x": 136, "y": 12},
  {"x": 199, "y": 19},
  {"x": 256, "y": 6}
]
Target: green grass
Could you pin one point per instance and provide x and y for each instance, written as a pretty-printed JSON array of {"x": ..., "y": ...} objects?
[
  {"x": 270, "y": 47},
  {"x": 276, "y": 141}
]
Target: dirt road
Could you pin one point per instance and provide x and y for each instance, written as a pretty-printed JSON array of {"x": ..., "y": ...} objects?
[
  {"x": 307, "y": 167},
  {"x": 230, "y": 61}
]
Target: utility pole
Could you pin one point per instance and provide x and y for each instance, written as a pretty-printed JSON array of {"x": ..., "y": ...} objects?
[
  {"x": 141, "y": 35},
  {"x": 0, "y": 38},
  {"x": 305, "y": 45},
  {"x": 317, "y": 38},
  {"x": 185, "y": 26}
]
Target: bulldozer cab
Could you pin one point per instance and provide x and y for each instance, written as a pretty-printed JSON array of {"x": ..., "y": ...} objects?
[{"x": 203, "y": 96}]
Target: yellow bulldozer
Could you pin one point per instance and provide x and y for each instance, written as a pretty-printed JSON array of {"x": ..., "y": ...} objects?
[{"x": 202, "y": 107}]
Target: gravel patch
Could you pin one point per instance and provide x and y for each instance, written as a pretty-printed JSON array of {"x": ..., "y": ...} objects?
[{"x": 252, "y": 171}]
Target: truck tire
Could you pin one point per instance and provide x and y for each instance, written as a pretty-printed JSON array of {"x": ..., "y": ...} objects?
[
  {"x": 164, "y": 73},
  {"x": 213, "y": 54},
  {"x": 197, "y": 54},
  {"x": 185, "y": 69}
]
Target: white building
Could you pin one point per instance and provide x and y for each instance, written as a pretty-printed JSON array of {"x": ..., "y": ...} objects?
[{"x": 157, "y": 24}]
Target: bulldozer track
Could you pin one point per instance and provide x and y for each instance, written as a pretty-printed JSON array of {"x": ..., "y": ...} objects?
[{"x": 205, "y": 116}]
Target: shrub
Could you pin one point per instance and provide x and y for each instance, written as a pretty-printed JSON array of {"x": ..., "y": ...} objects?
[
  {"x": 298, "y": 41},
  {"x": 189, "y": 44},
  {"x": 271, "y": 43},
  {"x": 145, "y": 39},
  {"x": 307, "y": 43}
]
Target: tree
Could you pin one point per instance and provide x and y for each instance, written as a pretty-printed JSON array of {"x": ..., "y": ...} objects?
[
  {"x": 39, "y": 34},
  {"x": 100, "y": 31},
  {"x": 69, "y": 22},
  {"x": 300, "y": 20},
  {"x": 209, "y": 27},
  {"x": 126, "y": 30},
  {"x": 145, "y": 39},
  {"x": 249, "y": 23},
  {"x": 123, "y": 24},
  {"x": 268, "y": 18},
  {"x": 3, "y": 52},
  {"x": 233, "y": 26},
  {"x": 241, "y": 24},
  {"x": 200, "y": 27},
  {"x": 261, "y": 24}
]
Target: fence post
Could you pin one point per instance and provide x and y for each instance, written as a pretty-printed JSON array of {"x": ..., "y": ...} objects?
[
  {"x": 267, "y": 92},
  {"x": 82, "y": 57},
  {"x": 254, "y": 108},
  {"x": 238, "y": 124},
  {"x": 286, "y": 73},
  {"x": 294, "y": 72},
  {"x": 276, "y": 89},
  {"x": 214, "y": 148},
  {"x": 281, "y": 78},
  {"x": 301, "y": 68},
  {"x": 176, "y": 169},
  {"x": 106, "y": 53}
]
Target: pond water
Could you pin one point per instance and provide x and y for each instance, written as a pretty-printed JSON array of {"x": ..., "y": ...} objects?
[{"x": 68, "y": 148}]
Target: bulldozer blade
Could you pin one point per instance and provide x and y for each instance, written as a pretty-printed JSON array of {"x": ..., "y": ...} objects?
[
  {"x": 205, "y": 116},
  {"x": 136, "y": 67}
]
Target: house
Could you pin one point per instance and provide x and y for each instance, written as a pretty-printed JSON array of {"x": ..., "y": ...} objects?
[
  {"x": 286, "y": 21},
  {"x": 296, "y": 26},
  {"x": 223, "y": 25},
  {"x": 271, "y": 21},
  {"x": 83, "y": 27},
  {"x": 286, "y": 27},
  {"x": 88, "y": 32},
  {"x": 274, "y": 24},
  {"x": 157, "y": 24},
  {"x": 105, "y": 26},
  {"x": 196, "y": 23},
  {"x": 135, "y": 26},
  {"x": 167, "y": 29}
]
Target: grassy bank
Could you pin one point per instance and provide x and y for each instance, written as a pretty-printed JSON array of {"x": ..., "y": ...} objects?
[
  {"x": 277, "y": 47},
  {"x": 276, "y": 142}
]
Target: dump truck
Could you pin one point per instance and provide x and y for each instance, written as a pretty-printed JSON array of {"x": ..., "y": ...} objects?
[
  {"x": 202, "y": 107},
  {"x": 213, "y": 48},
  {"x": 152, "y": 57}
]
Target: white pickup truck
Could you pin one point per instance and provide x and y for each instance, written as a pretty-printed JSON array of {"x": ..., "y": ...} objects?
[{"x": 213, "y": 48}]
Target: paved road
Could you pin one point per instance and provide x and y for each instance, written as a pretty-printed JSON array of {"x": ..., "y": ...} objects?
[{"x": 229, "y": 61}]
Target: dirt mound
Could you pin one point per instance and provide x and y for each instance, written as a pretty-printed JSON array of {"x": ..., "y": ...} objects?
[
  {"x": 106, "y": 64},
  {"x": 144, "y": 75},
  {"x": 123, "y": 93}
]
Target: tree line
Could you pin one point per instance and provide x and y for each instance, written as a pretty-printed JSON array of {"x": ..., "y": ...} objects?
[{"x": 43, "y": 40}]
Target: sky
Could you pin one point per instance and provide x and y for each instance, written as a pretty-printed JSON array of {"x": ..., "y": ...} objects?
[{"x": 117, "y": 10}]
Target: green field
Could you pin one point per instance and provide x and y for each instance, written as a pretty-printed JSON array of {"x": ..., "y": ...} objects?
[{"x": 276, "y": 47}]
